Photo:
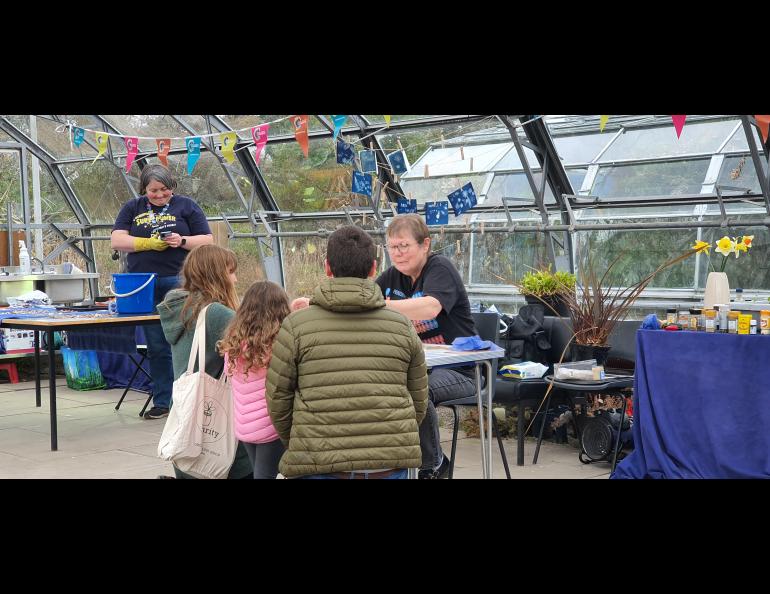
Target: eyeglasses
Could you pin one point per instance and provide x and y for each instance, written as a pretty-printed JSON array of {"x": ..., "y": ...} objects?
[{"x": 402, "y": 248}]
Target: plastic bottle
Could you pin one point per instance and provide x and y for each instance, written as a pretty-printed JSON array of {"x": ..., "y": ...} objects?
[
  {"x": 738, "y": 295},
  {"x": 24, "y": 262}
]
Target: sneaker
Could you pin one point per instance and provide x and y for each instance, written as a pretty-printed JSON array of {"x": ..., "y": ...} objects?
[
  {"x": 440, "y": 473},
  {"x": 156, "y": 412},
  {"x": 165, "y": 476}
]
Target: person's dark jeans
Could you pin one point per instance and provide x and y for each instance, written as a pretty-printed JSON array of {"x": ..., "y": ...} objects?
[
  {"x": 264, "y": 458},
  {"x": 158, "y": 349},
  {"x": 443, "y": 385}
]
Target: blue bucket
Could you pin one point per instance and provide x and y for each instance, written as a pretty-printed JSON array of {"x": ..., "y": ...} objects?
[{"x": 134, "y": 292}]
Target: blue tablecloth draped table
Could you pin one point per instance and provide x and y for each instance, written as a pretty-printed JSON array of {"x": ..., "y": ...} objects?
[{"x": 701, "y": 406}]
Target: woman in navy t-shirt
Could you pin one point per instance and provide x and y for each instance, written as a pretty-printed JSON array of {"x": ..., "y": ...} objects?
[{"x": 157, "y": 230}]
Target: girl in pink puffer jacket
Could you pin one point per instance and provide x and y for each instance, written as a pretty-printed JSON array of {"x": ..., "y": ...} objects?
[{"x": 246, "y": 346}]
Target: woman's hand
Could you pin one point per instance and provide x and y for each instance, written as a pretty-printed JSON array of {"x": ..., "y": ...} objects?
[{"x": 173, "y": 240}]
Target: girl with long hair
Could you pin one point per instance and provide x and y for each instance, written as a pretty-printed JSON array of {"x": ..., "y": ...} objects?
[{"x": 247, "y": 347}]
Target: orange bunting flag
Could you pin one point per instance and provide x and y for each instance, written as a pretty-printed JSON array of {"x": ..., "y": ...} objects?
[
  {"x": 762, "y": 122},
  {"x": 603, "y": 122},
  {"x": 678, "y": 123},
  {"x": 164, "y": 146},
  {"x": 300, "y": 131}
]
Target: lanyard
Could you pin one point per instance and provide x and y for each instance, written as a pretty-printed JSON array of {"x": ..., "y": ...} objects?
[{"x": 151, "y": 213}]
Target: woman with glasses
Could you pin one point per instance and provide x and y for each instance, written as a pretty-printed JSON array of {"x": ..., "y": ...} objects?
[{"x": 428, "y": 290}]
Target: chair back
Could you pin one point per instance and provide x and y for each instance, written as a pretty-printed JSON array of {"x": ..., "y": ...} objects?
[{"x": 487, "y": 325}]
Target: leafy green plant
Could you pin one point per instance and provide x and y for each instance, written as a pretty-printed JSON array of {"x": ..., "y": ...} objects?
[{"x": 544, "y": 283}]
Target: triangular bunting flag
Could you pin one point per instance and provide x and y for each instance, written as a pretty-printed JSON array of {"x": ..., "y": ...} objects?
[
  {"x": 132, "y": 148},
  {"x": 228, "y": 140},
  {"x": 678, "y": 123},
  {"x": 603, "y": 122},
  {"x": 339, "y": 121},
  {"x": 78, "y": 135},
  {"x": 259, "y": 134},
  {"x": 193, "y": 144},
  {"x": 762, "y": 122},
  {"x": 102, "y": 138},
  {"x": 300, "y": 131},
  {"x": 164, "y": 146},
  {"x": 387, "y": 120}
]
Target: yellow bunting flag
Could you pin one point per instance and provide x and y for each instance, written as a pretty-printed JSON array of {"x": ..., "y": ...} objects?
[
  {"x": 164, "y": 146},
  {"x": 300, "y": 131},
  {"x": 102, "y": 138},
  {"x": 603, "y": 122},
  {"x": 762, "y": 122},
  {"x": 228, "y": 145},
  {"x": 387, "y": 120}
]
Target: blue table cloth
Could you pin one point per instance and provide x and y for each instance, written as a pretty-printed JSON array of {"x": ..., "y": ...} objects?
[{"x": 701, "y": 406}]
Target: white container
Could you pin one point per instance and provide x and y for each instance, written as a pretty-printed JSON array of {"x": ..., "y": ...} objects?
[{"x": 25, "y": 266}]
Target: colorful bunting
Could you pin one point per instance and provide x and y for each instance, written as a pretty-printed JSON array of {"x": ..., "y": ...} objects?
[
  {"x": 132, "y": 147},
  {"x": 300, "y": 131},
  {"x": 678, "y": 123},
  {"x": 437, "y": 213},
  {"x": 362, "y": 183},
  {"x": 406, "y": 206},
  {"x": 259, "y": 134},
  {"x": 762, "y": 122},
  {"x": 603, "y": 122},
  {"x": 193, "y": 144},
  {"x": 164, "y": 146},
  {"x": 79, "y": 134},
  {"x": 387, "y": 120},
  {"x": 228, "y": 140},
  {"x": 339, "y": 121},
  {"x": 463, "y": 199},
  {"x": 102, "y": 138},
  {"x": 398, "y": 162},
  {"x": 345, "y": 153},
  {"x": 368, "y": 161}
]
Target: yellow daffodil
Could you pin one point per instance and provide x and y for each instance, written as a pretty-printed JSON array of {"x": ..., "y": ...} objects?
[
  {"x": 725, "y": 246},
  {"x": 701, "y": 246},
  {"x": 747, "y": 239}
]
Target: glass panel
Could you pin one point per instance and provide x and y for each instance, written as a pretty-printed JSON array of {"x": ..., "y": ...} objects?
[
  {"x": 751, "y": 270},
  {"x": 153, "y": 126},
  {"x": 5, "y": 138},
  {"x": 250, "y": 265},
  {"x": 739, "y": 172},
  {"x": 697, "y": 137},
  {"x": 511, "y": 161},
  {"x": 515, "y": 185},
  {"x": 650, "y": 179},
  {"x": 431, "y": 189},
  {"x": 739, "y": 143},
  {"x": 196, "y": 122},
  {"x": 58, "y": 143},
  {"x": 10, "y": 187},
  {"x": 580, "y": 149},
  {"x": 99, "y": 187},
  {"x": 54, "y": 207},
  {"x": 303, "y": 257},
  {"x": 451, "y": 161},
  {"x": 576, "y": 177},
  {"x": 456, "y": 247},
  {"x": 503, "y": 258}
]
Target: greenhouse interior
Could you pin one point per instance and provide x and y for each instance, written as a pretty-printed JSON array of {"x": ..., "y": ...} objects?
[{"x": 650, "y": 230}]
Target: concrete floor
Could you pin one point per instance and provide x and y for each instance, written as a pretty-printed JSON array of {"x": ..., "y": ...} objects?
[{"x": 96, "y": 441}]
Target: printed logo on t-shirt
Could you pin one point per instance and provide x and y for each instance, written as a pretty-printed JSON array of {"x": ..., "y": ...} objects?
[
  {"x": 166, "y": 221},
  {"x": 421, "y": 326}
]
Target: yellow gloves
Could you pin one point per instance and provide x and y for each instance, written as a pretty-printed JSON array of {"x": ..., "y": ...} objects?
[{"x": 143, "y": 244}]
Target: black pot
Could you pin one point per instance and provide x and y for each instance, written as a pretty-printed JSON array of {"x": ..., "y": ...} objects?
[
  {"x": 583, "y": 352},
  {"x": 555, "y": 301}
]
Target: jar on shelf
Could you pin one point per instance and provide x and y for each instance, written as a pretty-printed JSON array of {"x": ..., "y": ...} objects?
[
  {"x": 696, "y": 322},
  {"x": 753, "y": 327},
  {"x": 764, "y": 321},
  {"x": 732, "y": 322},
  {"x": 710, "y": 319},
  {"x": 683, "y": 319},
  {"x": 744, "y": 323},
  {"x": 671, "y": 315}
]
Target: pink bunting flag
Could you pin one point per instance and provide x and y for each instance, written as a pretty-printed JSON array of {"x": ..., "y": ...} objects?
[
  {"x": 678, "y": 123},
  {"x": 259, "y": 134},
  {"x": 762, "y": 122},
  {"x": 132, "y": 146}
]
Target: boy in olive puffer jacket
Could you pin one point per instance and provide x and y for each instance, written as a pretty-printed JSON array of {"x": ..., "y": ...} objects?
[{"x": 347, "y": 385}]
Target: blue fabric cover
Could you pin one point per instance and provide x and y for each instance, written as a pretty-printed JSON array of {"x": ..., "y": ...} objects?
[
  {"x": 701, "y": 407},
  {"x": 473, "y": 343}
]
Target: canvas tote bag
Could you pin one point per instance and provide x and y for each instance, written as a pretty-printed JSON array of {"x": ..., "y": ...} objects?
[{"x": 198, "y": 436}]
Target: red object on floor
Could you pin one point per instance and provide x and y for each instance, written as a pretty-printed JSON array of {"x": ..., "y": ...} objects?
[{"x": 13, "y": 373}]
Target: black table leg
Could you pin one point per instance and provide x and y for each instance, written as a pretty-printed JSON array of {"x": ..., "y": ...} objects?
[
  {"x": 52, "y": 388},
  {"x": 542, "y": 427},
  {"x": 38, "y": 402},
  {"x": 620, "y": 431}
]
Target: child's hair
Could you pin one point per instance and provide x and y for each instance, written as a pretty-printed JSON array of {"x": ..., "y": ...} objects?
[
  {"x": 251, "y": 332},
  {"x": 206, "y": 276}
]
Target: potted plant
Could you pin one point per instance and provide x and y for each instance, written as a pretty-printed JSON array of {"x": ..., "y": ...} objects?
[
  {"x": 542, "y": 286},
  {"x": 717, "y": 285}
]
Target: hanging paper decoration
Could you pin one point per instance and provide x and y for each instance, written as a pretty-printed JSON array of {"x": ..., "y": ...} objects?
[
  {"x": 300, "y": 131},
  {"x": 387, "y": 120},
  {"x": 102, "y": 138},
  {"x": 762, "y": 122},
  {"x": 678, "y": 123},
  {"x": 259, "y": 134},
  {"x": 368, "y": 161},
  {"x": 437, "y": 213},
  {"x": 339, "y": 121},
  {"x": 345, "y": 153},
  {"x": 362, "y": 183},
  {"x": 78, "y": 135},
  {"x": 164, "y": 146},
  {"x": 406, "y": 206},
  {"x": 603, "y": 122},
  {"x": 132, "y": 147},
  {"x": 398, "y": 162},
  {"x": 193, "y": 144},
  {"x": 463, "y": 199},
  {"x": 228, "y": 140}
]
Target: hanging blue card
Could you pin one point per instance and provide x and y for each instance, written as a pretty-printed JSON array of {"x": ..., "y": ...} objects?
[
  {"x": 463, "y": 199},
  {"x": 345, "y": 153},
  {"x": 362, "y": 183},
  {"x": 368, "y": 161},
  {"x": 405, "y": 206},
  {"x": 397, "y": 162},
  {"x": 437, "y": 213}
]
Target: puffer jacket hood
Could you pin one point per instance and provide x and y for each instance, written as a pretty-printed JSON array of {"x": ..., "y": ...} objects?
[
  {"x": 171, "y": 314},
  {"x": 348, "y": 295}
]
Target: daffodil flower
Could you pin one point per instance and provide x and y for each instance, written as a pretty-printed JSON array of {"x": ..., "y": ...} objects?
[
  {"x": 701, "y": 246},
  {"x": 725, "y": 246},
  {"x": 747, "y": 239}
]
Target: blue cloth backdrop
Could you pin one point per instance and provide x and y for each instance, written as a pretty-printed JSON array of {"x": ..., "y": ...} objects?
[{"x": 701, "y": 406}]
